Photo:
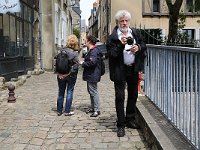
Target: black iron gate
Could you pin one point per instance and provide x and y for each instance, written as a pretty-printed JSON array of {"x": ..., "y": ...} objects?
[{"x": 12, "y": 67}]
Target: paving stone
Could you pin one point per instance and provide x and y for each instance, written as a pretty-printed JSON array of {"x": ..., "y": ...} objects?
[
  {"x": 36, "y": 141},
  {"x": 60, "y": 146},
  {"x": 72, "y": 146},
  {"x": 113, "y": 145},
  {"x": 5, "y": 134},
  {"x": 32, "y": 147},
  {"x": 139, "y": 144},
  {"x": 85, "y": 146},
  {"x": 24, "y": 140},
  {"x": 110, "y": 139},
  {"x": 19, "y": 146},
  {"x": 126, "y": 145},
  {"x": 101, "y": 145},
  {"x": 41, "y": 135}
]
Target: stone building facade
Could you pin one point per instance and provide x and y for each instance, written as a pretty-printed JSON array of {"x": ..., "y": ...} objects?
[
  {"x": 148, "y": 14},
  {"x": 31, "y": 36}
]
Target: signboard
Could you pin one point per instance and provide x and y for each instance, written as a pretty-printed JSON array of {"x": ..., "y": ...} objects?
[{"x": 9, "y": 6}]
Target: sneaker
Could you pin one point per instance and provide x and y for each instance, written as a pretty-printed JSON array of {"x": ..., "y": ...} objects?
[
  {"x": 89, "y": 110},
  {"x": 69, "y": 114},
  {"x": 95, "y": 114},
  {"x": 120, "y": 131},
  {"x": 59, "y": 113}
]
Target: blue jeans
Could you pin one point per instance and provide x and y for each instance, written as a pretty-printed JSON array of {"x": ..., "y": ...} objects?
[{"x": 62, "y": 84}]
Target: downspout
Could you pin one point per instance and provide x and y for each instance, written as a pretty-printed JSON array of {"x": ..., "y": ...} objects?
[
  {"x": 41, "y": 36},
  {"x": 107, "y": 19}
]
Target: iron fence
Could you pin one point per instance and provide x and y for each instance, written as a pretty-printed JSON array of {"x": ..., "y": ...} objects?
[
  {"x": 154, "y": 36},
  {"x": 172, "y": 84}
]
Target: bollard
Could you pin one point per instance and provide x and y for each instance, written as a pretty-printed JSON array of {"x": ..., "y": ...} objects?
[{"x": 11, "y": 98}]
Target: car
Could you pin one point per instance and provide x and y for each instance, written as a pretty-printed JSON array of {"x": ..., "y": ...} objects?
[
  {"x": 84, "y": 50},
  {"x": 102, "y": 47}
]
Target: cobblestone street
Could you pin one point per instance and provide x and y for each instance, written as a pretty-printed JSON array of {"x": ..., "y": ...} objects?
[{"x": 32, "y": 123}]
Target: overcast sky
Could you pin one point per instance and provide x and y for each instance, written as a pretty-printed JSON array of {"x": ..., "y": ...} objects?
[{"x": 86, "y": 6}]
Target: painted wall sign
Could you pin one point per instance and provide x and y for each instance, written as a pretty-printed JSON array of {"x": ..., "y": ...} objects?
[{"x": 9, "y": 6}]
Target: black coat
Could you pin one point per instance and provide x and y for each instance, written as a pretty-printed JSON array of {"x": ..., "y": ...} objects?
[
  {"x": 92, "y": 66},
  {"x": 116, "y": 59}
]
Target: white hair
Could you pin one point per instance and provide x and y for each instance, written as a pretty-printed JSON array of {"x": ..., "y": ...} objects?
[{"x": 122, "y": 13}]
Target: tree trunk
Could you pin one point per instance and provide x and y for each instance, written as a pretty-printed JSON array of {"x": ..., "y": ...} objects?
[
  {"x": 173, "y": 27},
  {"x": 173, "y": 19}
]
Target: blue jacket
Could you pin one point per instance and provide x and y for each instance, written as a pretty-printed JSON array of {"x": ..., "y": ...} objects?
[{"x": 92, "y": 65}]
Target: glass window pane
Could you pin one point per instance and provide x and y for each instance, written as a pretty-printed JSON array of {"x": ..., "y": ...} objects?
[
  {"x": 13, "y": 29},
  {"x": 6, "y": 25},
  {"x": 27, "y": 13},
  {"x": 27, "y": 39},
  {"x": 1, "y": 25},
  {"x": 12, "y": 48},
  {"x": 156, "y": 6},
  {"x": 5, "y": 37},
  {"x": 197, "y": 5},
  {"x": 189, "y": 5},
  {"x": 1, "y": 36},
  {"x": 30, "y": 40},
  {"x": 19, "y": 38}
]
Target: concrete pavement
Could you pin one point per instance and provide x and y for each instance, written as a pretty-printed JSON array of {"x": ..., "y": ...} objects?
[{"x": 31, "y": 123}]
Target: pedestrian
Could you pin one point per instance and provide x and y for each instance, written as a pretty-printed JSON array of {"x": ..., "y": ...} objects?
[
  {"x": 126, "y": 50},
  {"x": 66, "y": 82},
  {"x": 92, "y": 73}
]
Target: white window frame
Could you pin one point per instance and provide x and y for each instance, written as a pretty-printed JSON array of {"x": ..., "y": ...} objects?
[
  {"x": 63, "y": 28},
  {"x": 57, "y": 24}
]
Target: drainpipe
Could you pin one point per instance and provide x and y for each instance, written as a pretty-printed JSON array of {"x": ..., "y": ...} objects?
[
  {"x": 107, "y": 19},
  {"x": 41, "y": 37}
]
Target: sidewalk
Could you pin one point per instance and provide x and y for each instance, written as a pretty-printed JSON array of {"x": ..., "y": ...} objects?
[{"x": 32, "y": 123}]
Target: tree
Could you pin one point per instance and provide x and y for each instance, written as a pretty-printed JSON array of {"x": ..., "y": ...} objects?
[
  {"x": 181, "y": 37},
  {"x": 174, "y": 10},
  {"x": 76, "y": 31}
]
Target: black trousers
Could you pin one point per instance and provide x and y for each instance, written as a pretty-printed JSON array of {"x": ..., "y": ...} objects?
[{"x": 132, "y": 91}]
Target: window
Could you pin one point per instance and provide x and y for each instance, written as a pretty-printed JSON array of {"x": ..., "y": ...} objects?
[
  {"x": 156, "y": 5},
  {"x": 193, "y": 5},
  {"x": 197, "y": 5},
  {"x": 12, "y": 50},
  {"x": 27, "y": 39},
  {"x": 1, "y": 36},
  {"x": 190, "y": 33},
  {"x": 57, "y": 24},
  {"x": 189, "y": 5}
]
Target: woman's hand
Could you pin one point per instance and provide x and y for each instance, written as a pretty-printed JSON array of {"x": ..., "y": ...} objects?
[
  {"x": 81, "y": 61},
  {"x": 63, "y": 76}
]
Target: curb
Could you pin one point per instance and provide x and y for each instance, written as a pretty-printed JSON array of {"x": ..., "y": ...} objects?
[
  {"x": 20, "y": 80},
  {"x": 158, "y": 131}
]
